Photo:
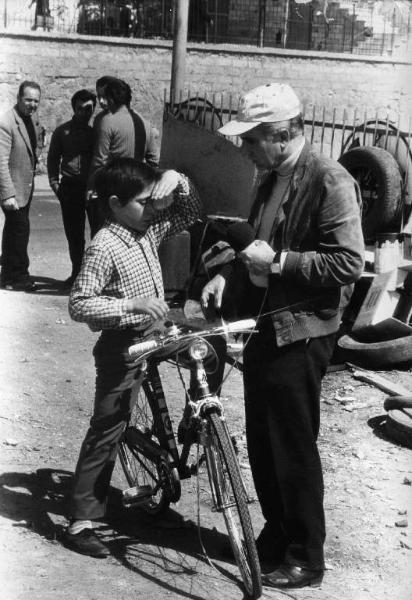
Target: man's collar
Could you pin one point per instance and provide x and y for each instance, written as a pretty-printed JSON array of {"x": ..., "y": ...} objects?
[
  {"x": 79, "y": 124},
  {"x": 288, "y": 165},
  {"x": 23, "y": 117}
]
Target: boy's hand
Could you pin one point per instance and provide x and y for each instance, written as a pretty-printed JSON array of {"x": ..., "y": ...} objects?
[
  {"x": 164, "y": 187},
  {"x": 155, "y": 307}
]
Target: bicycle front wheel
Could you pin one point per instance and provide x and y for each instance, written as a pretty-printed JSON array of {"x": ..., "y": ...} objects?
[
  {"x": 143, "y": 463},
  {"x": 231, "y": 499}
]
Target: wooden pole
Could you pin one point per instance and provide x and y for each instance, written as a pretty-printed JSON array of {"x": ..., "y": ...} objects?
[{"x": 179, "y": 50}]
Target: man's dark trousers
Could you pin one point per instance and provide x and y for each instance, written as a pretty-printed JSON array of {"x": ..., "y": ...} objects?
[
  {"x": 282, "y": 396},
  {"x": 16, "y": 232},
  {"x": 72, "y": 197}
]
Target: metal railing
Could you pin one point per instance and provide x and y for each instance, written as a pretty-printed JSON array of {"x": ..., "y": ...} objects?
[
  {"x": 332, "y": 132},
  {"x": 348, "y": 26}
]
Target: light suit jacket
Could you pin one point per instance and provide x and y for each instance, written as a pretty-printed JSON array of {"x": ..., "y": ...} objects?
[{"x": 17, "y": 161}]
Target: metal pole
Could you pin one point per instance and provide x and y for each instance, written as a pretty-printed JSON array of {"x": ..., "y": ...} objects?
[
  {"x": 5, "y": 14},
  {"x": 352, "y": 40},
  {"x": 179, "y": 50},
  {"x": 286, "y": 23},
  {"x": 262, "y": 23}
]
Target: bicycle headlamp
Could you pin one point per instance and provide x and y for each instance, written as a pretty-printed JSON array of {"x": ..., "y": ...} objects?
[{"x": 198, "y": 349}]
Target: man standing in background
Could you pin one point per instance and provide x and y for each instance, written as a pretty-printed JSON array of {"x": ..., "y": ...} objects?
[
  {"x": 68, "y": 164},
  {"x": 119, "y": 133},
  {"x": 19, "y": 135}
]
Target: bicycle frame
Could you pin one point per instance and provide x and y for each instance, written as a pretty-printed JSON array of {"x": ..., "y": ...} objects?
[
  {"x": 194, "y": 409},
  {"x": 169, "y": 347},
  {"x": 149, "y": 452}
]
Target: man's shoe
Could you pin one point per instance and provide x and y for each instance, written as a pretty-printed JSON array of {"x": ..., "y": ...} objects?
[
  {"x": 85, "y": 542},
  {"x": 290, "y": 576}
]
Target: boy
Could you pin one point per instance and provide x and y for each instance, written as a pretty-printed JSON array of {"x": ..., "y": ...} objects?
[{"x": 119, "y": 290}]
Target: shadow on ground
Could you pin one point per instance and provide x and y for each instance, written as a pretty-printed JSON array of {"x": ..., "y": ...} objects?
[{"x": 160, "y": 549}]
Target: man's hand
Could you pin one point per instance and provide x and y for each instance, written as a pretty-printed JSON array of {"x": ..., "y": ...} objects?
[
  {"x": 215, "y": 288},
  {"x": 155, "y": 307},
  {"x": 163, "y": 188},
  {"x": 257, "y": 257},
  {"x": 10, "y": 204}
]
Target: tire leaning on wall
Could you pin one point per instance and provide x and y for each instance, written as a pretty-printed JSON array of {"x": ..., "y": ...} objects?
[{"x": 380, "y": 182}]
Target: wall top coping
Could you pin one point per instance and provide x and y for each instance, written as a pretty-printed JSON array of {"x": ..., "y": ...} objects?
[{"x": 203, "y": 48}]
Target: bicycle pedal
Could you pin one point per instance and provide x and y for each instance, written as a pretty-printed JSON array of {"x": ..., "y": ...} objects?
[{"x": 139, "y": 494}]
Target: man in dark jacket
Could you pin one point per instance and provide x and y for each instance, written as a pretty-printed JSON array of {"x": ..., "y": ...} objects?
[
  {"x": 68, "y": 164},
  {"x": 298, "y": 274}
]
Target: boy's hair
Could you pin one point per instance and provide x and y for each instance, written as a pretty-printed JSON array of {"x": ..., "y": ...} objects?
[
  {"x": 124, "y": 178},
  {"x": 83, "y": 96}
]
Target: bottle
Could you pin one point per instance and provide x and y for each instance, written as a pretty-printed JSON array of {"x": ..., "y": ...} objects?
[{"x": 387, "y": 252}]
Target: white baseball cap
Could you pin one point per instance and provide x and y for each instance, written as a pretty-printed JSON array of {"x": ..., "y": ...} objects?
[{"x": 265, "y": 104}]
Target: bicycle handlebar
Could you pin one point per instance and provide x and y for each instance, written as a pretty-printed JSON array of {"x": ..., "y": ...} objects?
[{"x": 150, "y": 346}]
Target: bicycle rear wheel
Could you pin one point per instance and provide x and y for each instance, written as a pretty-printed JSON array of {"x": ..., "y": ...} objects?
[
  {"x": 231, "y": 499},
  {"x": 144, "y": 464}
]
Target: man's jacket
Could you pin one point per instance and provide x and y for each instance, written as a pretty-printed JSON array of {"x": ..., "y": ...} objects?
[
  {"x": 319, "y": 225},
  {"x": 17, "y": 160}
]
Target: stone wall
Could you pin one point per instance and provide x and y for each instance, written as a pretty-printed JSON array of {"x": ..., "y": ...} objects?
[{"x": 62, "y": 64}]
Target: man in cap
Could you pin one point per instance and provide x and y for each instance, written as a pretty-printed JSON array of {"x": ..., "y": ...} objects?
[{"x": 298, "y": 275}]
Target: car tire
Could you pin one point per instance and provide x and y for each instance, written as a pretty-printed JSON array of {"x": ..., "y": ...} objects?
[
  {"x": 398, "y": 426},
  {"x": 380, "y": 182},
  {"x": 376, "y": 355}
]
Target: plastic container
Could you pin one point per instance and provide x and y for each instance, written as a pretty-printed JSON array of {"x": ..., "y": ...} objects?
[{"x": 387, "y": 252}]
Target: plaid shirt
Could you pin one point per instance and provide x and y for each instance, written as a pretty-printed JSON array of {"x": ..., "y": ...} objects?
[{"x": 121, "y": 263}]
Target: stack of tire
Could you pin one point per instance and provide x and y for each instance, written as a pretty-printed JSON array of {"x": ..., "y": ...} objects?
[{"x": 380, "y": 180}]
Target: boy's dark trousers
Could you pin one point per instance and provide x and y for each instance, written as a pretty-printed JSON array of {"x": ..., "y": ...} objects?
[
  {"x": 115, "y": 372},
  {"x": 72, "y": 197}
]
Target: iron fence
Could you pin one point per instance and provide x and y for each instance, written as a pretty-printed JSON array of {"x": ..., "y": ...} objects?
[
  {"x": 331, "y": 131},
  {"x": 349, "y": 26}
]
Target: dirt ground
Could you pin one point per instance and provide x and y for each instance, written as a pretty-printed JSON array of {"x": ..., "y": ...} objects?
[{"x": 46, "y": 374}]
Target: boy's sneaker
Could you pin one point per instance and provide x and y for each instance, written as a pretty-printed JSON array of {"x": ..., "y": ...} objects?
[{"x": 85, "y": 542}]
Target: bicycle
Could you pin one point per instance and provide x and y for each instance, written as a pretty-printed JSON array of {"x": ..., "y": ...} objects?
[{"x": 148, "y": 452}]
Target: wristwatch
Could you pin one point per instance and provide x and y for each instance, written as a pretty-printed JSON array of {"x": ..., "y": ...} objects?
[{"x": 275, "y": 266}]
